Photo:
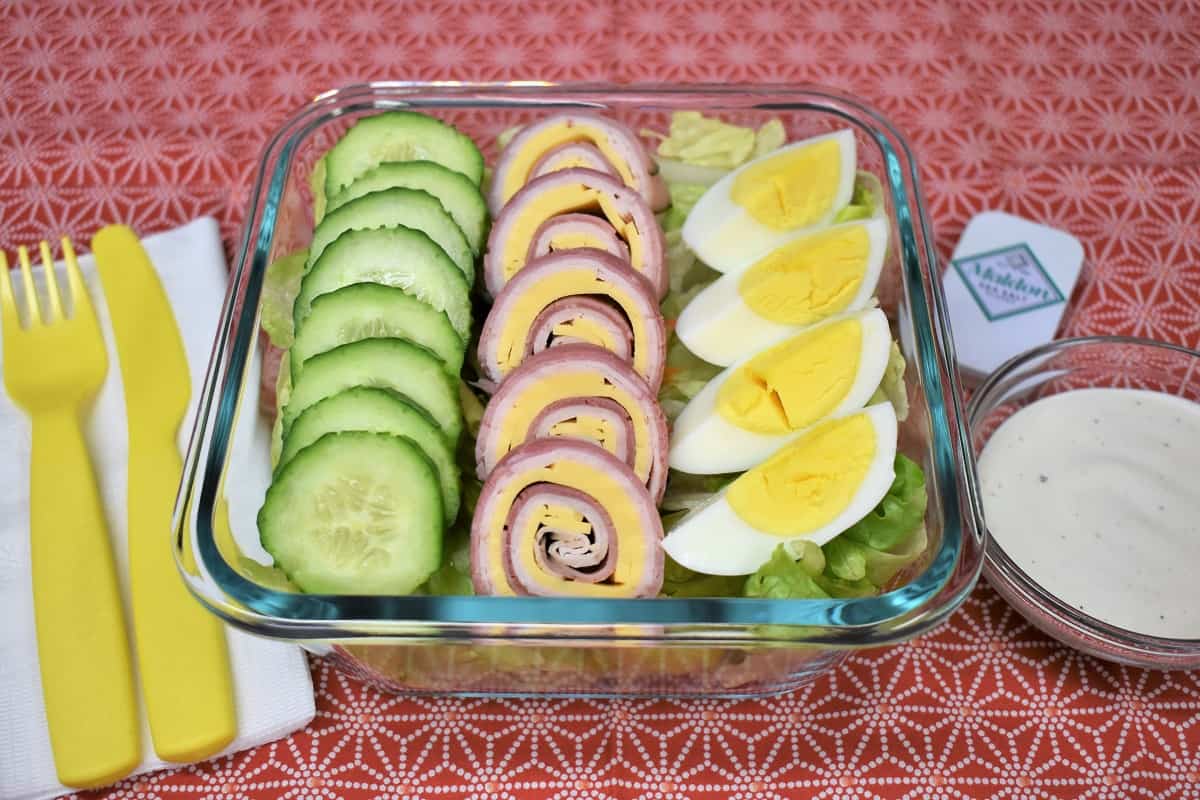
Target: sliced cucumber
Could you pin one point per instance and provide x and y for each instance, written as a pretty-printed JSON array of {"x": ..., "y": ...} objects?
[
  {"x": 370, "y": 311},
  {"x": 399, "y": 136},
  {"x": 395, "y": 256},
  {"x": 395, "y": 364},
  {"x": 412, "y": 208},
  {"x": 461, "y": 198},
  {"x": 355, "y": 513},
  {"x": 379, "y": 411}
]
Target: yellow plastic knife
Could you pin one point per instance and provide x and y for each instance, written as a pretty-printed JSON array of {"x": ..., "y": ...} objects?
[{"x": 181, "y": 650}]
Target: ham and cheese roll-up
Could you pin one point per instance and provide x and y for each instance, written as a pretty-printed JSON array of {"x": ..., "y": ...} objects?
[
  {"x": 566, "y": 231},
  {"x": 577, "y": 139},
  {"x": 564, "y": 192},
  {"x": 563, "y": 295},
  {"x": 577, "y": 391},
  {"x": 560, "y": 517}
]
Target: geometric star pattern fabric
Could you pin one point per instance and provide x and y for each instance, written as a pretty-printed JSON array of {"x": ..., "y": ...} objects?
[{"x": 1081, "y": 115}]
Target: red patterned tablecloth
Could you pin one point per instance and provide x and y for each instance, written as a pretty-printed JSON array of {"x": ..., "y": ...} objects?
[{"x": 1083, "y": 114}]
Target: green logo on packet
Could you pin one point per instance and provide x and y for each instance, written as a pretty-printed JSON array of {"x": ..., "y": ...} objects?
[{"x": 1007, "y": 282}]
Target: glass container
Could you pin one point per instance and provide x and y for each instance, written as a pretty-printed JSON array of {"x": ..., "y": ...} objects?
[{"x": 577, "y": 647}]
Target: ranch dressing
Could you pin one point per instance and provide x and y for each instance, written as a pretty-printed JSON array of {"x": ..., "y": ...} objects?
[{"x": 1095, "y": 494}]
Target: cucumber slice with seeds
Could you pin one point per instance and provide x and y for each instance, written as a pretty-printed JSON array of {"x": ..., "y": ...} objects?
[
  {"x": 412, "y": 208},
  {"x": 399, "y": 136},
  {"x": 355, "y": 513},
  {"x": 395, "y": 364},
  {"x": 370, "y": 311},
  {"x": 397, "y": 256},
  {"x": 458, "y": 196},
  {"x": 378, "y": 411}
]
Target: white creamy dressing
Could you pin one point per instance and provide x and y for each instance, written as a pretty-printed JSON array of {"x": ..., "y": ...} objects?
[{"x": 1095, "y": 494}]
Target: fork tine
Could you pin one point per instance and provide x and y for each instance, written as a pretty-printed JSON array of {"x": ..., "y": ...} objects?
[
  {"x": 56, "y": 309},
  {"x": 81, "y": 303},
  {"x": 9, "y": 314},
  {"x": 31, "y": 298}
]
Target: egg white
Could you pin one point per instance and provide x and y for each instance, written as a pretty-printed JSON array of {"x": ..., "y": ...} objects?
[
  {"x": 714, "y": 540},
  {"x": 705, "y": 443},
  {"x": 719, "y": 327},
  {"x": 724, "y": 235}
]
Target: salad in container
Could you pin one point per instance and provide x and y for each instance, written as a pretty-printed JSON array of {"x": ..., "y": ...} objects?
[{"x": 583, "y": 391}]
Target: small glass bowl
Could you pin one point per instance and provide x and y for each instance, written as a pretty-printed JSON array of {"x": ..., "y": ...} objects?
[{"x": 1060, "y": 366}]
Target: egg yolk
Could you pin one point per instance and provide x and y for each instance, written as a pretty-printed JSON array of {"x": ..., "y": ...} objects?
[
  {"x": 565, "y": 199},
  {"x": 632, "y": 556},
  {"x": 792, "y": 385},
  {"x": 810, "y": 278},
  {"x": 792, "y": 190},
  {"x": 808, "y": 483},
  {"x": 535, "y": 148}
]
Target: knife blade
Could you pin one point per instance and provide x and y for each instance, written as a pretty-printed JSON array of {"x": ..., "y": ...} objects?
[{"x": 182, "y": 655}]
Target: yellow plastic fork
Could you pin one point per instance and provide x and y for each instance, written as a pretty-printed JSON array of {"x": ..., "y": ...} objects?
[{"x": 54, "y": 366}]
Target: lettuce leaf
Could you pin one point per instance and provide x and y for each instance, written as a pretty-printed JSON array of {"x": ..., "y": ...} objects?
[
  {"x": 901, "y": 509},
  {"x": 316, "y": 185},
  {"x": 695, "y": 140},
  {"x": 865, "y": 202},
  {"x": 686, "y": 492},
  {"x": 892, "y": 388},
  {"x": 784, "y": 577},
  {"x": 679, "y": 581},
  {"x": 281, "y": 284},
  {"x": 706, "y": 141},
  {"x": 283, "y": 392},
  {"x": 683, "y": 199}
]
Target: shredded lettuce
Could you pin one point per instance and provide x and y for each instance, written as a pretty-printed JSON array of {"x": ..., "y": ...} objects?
[
  {"x": 901, "y": 509},
  {"x": 683, "y": 198},
  {"x": 701, "y": 149},
  {"x": 771, "y": 136},
  {"x": 281, "y": 284},
  {"x": 316, "y": 185},
  {"x": 283, "y": 391},
  {"x": 686, "y": 491},
  {"x": 892, "y": 388},
  {"x": 679, "y": 581},
  {"x": 505, "y": 136},
  {"x": 705, "y": 141},
  {"x": 454, "y": 575},
  {"x": 785, "y": 577}
]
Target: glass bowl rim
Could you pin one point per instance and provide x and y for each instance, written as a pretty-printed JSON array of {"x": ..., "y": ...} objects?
[
  {"x": 900, "y": 613},
  {"x": 998, "y": 566}
]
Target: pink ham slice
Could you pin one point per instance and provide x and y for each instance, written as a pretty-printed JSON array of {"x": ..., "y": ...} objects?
[
  {"x": 592, "y": 130},
  {"x": 548, "y": 326},
  {"x": 555, "y": 232},
  {"x": 570, "y": 410},
  {"x": 574, "y": 154},
  {"x": 543, "y": 198},
  {"x": 542, "y": 379},
  {"x": 564, "y": 561},
  {"x": 605, "y": 292}
]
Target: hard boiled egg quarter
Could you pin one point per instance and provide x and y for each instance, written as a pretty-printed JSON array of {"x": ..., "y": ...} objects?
[
  {"x": 763, "y": 401},
  {"x": 814, "y": 488},
  {"x": 761, "y": 204},
  {"x": 811, "y": 276}
]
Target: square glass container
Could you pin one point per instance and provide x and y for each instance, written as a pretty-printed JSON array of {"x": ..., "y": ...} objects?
[{"x": 565, "y": 646}]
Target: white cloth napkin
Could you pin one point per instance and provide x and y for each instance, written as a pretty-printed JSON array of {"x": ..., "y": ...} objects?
[{"x": 274, "y": 693}]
